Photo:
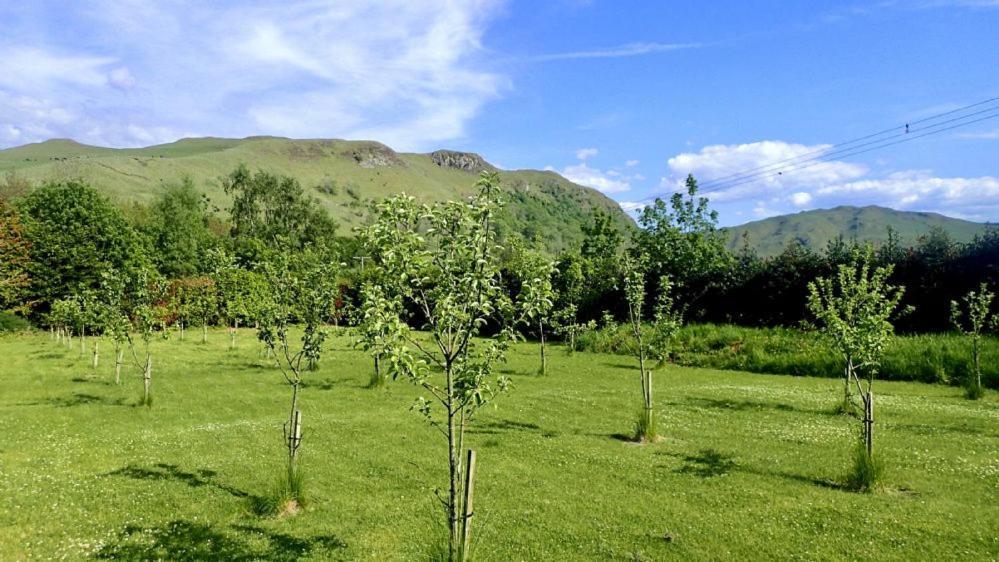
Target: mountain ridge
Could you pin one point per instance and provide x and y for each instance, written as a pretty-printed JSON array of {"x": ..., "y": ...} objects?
[
  {"x": 346, "y": 176},
  {"x": 815, "y": 228}
]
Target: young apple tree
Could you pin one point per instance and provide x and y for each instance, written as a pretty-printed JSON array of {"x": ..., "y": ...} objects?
[
  {"x": 665, "y": 324},
  {"x": 447, "y": 261},
  {"x": 855, "y": 308},
  {"x": 301, "y": 287},
  {"x": 143, "y": 294},
  {"x": 114, "y": 321},
  {"x": 537, "y": 296},
  {"x": 973, "y": 318}
]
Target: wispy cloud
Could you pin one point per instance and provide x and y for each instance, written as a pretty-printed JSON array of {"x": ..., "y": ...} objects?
[
  {"x": 628, "y": 50},
  {"x": 981, "y": 135},
  {"x": 129, "y": 73}
]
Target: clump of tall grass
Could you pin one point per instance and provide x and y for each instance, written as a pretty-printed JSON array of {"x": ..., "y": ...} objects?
[
  {"x": 867, "y": 472},
  {"x": 286, "y": 495},
  {"x": 646, "y": 426}
]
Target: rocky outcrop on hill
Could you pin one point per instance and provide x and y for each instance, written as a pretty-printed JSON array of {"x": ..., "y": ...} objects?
[
  {"x": 374, "y": 155},
  {"x": 465, "y": 161}
]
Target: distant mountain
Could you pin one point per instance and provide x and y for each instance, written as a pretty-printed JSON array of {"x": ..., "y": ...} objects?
[
  {"x": 346, "y": 176},
  {"x": 866, "y": 224}
]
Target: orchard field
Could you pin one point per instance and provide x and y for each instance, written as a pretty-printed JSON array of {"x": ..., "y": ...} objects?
[{"x": 750, "y": 466}]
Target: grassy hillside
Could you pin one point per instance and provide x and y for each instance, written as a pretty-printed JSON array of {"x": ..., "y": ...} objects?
[
  {"x": 344, "y": 175},
  {"x": 816, "y": 228},
  {"x": 749, "y": 468}
]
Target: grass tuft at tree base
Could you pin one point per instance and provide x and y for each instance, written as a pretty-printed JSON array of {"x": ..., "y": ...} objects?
[
  {"x": 867, "y": 472},
  {"x": 286, "y": 497},
  {"x": 646, "y": 426},
  {"x": 973, "y": 391}
]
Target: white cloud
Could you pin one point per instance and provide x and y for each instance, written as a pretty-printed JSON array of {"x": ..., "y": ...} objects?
[
  {"x": 823, "y": 183},
  {"x": 972, "y": 197},
  {"x": 721, "y": 169},
  {"x": 632, "y": 207},
  {"x": 631, "y": 163},
  {"x": 629, "y": 50},
  {"x": 592, "y": 177},
  {"x": 801, "y": 198},
  {"x": 298, "y": 69},
  {"x": 584, "y": 153}
]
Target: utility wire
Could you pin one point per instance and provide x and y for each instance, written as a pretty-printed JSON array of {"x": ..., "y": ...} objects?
[
  {"x": 850, "y": 147},
  {"x": 825, "y": 151},
  {"x": 883, "y": 144},
  {"x": 714, "y": 184}
]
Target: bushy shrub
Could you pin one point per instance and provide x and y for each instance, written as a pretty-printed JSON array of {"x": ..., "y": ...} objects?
[{"x": 10, "y": 322}]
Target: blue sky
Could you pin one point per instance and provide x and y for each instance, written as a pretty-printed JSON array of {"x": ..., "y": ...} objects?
[{"x": 624, "y": 96}]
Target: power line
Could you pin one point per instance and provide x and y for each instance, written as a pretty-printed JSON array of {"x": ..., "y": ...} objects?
[
  {"x": 882, "y": 144},
  {"x": 851, "y": 148},
  {"x": 824, "y": 151}
]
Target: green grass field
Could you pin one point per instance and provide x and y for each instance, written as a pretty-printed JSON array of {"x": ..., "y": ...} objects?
[{"x": 749, "y": 468}]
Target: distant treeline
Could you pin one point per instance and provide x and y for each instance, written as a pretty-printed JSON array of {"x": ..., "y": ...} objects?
[{"x": 59, "y": 241}]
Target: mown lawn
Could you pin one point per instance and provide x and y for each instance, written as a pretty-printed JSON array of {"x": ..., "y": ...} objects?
[{"x": 750, "y": 467}]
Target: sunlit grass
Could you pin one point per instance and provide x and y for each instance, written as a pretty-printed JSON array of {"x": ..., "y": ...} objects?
[{"x": 749, "y": 466}]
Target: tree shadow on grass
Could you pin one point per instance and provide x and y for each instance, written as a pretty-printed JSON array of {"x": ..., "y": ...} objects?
[
  {"x": 616, "y": 365},
  {"x": 745, "y": 405},
  {"x": 500, "y": 426},
  {"x": 185, "y": 541},
  {"x": 77, "y": 399},
  {"x": 709, "y": 463},
  {"x": 198, "y": 479},
  {"x": 90, "y": 379}
]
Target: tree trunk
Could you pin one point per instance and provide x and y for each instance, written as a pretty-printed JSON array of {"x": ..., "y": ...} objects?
[
  {"x": 181, "y": 330},
  {"x": 147, "y": 380},
  {"x": 117, "y": 362},
  {"x": 204, "y": 333},
  {"x": 978, "y": 368},
  {"x": 869, "y": 422},
  {"x": 544, "y": 363},
  {"x": 83, "y": 340},
  {"x": 97, "y": 355},
  {"x": 454, "y": 466},
  {"x": 848, "y": 374},
  {"x": 232, "y": 335},
  {"x": 294, "y": 435}
]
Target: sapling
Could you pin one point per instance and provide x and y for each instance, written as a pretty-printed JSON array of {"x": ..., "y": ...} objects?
[
  {"x": 447, "y": 258},
  {"x": 974, "y": 318},
  {"x": 855, "y": 308},
  {"x": 299, "y": 289},
  {"x": 113, "y": 318},
  {"x": 666, "y": 322},
  {"x": 145, "y": 291},
  {"x": 536, "y": 294}
]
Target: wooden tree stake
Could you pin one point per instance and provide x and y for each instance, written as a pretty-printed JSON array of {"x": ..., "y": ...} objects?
[{"x": 466, "y": 524}]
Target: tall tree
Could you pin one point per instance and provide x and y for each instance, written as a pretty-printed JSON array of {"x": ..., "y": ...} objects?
[
  {"x": 177, "y": 227},
  {"x": 14, "y": 259},
  {"x": 77, "y": 235},
  {"x": 681, "y": 239},
  {"x": 266, "y": 207}
]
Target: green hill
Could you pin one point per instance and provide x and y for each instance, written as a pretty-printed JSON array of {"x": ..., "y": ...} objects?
[
  {"x": 345, "y": 176},
  {"x": 865, "y": 224}
]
